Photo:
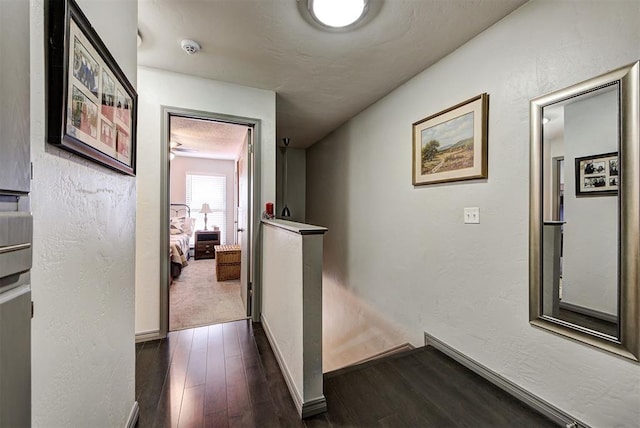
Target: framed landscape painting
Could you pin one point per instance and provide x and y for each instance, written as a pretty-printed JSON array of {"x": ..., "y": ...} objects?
[
  {"x": 91, "y": 105},
  {"x": 597, "y": 175},
  {"x": 452, "y": 144}
]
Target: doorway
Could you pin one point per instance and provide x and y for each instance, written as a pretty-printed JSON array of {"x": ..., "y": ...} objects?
[{"x": 210, "y": 170}]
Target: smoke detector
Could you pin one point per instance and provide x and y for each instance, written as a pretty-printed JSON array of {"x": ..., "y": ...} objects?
[{"x": 189, "y": 46}]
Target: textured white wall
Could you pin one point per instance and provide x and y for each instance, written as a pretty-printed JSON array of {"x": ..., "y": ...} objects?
[
  {"x": 181, "y": 166},
  {"x": 83, "y": 353},
  {"x": 404, "y": 254},
  {"x": 159, "y": 88},
  {"x": 590, "y": 270}
]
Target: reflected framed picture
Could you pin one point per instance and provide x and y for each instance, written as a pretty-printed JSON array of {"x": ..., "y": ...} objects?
[
  {"x": 452, "y": 145},
  {"x": 91, "y": 105},
  {"x": 597, "y": 175}
]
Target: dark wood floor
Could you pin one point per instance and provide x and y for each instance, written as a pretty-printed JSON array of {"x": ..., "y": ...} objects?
[{"x": 226, "y": 376}]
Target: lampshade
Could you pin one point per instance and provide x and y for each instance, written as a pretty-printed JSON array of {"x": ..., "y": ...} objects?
[{"x": 206, "y": 209}]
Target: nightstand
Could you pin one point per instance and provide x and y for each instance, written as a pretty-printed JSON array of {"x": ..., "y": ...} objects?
[{"x": 205, "y": 241}]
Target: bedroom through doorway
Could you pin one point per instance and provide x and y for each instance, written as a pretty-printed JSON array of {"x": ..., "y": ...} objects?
[{"x": 207, "y": 193}]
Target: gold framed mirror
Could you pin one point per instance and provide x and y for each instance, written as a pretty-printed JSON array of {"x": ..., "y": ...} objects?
[{"x": 584, "y": 244}]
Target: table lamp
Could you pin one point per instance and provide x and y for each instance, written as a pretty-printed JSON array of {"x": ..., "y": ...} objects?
[{"x": 206, "y": 209}]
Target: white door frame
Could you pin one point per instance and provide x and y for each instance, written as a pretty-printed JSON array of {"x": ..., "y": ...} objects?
[{"x": 254, "y": 211}]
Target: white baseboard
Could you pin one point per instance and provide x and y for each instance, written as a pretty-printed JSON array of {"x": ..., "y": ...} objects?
[
  {"x": 305, "y": 409},
  {"x": 589, "y": 312},
  {"x": 533, "y": 401},
  {"x": 314, "y": 407},
  {"x": 133, "y": 415},
  {"x": 145, "y": 336},
  {"x": 386, "y": 353}
]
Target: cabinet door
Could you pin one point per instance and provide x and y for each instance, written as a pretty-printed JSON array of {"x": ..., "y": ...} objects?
[{"x": 15, "y": 358}]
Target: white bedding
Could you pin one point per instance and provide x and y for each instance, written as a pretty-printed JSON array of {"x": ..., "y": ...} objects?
[
  {"x": 179, "y": 245},
  {"x": 180, "y": 230}
]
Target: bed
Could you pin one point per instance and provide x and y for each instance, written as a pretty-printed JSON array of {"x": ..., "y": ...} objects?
[{"x": 180, "y": 230}]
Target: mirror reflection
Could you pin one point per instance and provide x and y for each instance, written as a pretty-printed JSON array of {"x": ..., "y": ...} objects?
[
  {"x": 584, "y": 223},
  {"x": 580, "y": 211}
]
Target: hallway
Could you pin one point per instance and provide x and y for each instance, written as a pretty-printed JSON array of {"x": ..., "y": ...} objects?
[
  {"x": 219, "y": 375},
  {"x": 226, "y": 375}
]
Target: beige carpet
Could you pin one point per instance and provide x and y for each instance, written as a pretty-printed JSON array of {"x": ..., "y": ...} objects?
[{"x": 197, "y": 299}]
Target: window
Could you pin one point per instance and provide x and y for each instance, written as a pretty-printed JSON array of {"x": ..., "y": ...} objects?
[{"x": 210, "y": 189}]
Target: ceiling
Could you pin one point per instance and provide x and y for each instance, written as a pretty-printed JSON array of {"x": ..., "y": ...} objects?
[
  {"x": 321, "y": 79},
  {"x": 206, "y": 138}
]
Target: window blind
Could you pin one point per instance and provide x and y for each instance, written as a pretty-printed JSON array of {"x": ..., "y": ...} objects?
[{"x": 210, "y": 189}]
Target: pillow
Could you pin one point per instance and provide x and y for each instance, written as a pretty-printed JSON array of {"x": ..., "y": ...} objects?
[
  {"x": 175, "y": 226},
  {"x": 174, "y": 230},
  {"x": 188, "y": 224}
]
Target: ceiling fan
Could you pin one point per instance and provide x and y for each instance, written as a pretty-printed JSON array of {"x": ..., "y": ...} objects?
[{"x": 174, "y": 147}]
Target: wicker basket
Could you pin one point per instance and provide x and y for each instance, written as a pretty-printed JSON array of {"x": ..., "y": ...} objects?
[
  {"x": 227, "y": 262},
  {"x": 227, "y": 271}
]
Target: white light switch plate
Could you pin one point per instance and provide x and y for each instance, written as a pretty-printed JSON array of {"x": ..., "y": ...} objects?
[{"x": 472, "y": 215}]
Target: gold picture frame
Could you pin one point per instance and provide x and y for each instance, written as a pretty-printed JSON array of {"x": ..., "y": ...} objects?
[{"x": 452, "y": 145}]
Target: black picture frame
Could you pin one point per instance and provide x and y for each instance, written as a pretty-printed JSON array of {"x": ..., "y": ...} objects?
[
  {"x": 91, "y": 105},
  {"x": 597, "y": 175}
]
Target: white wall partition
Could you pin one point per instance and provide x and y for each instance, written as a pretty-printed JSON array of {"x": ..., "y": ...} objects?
[
  {"x": 83, "y": 353},
  {"x": 399, "y": 260},
  {"x": 292, "y": 307},
  {"x": 159, "y": 88}
]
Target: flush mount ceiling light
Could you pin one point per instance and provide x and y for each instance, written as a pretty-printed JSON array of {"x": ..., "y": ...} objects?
[{"x": 338, "y": 15}]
